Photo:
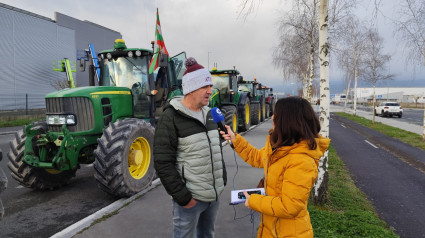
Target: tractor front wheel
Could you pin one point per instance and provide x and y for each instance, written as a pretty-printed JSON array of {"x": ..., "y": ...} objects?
[
  {"x": 231, "y": 117},
  {"x": 245, "y": 115},
  {"x": 29, "y": 176},
  {"x": 256, "y": 113},
  {"x": 124, "y": 159}
]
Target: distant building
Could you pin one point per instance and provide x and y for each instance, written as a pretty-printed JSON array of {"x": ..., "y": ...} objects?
[
  {"x": 30, "y": 43},
  {"x": 401, "y": 95}
]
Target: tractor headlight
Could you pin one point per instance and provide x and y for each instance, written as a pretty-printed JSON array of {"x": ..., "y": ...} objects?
[
  {"x": 130, "y": 54},
  {"x": 138, "y": 53},
  {"x": 60, "y": 120}
]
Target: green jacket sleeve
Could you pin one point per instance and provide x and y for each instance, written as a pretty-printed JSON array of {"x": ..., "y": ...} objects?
[{"x": 165, "y": 154}]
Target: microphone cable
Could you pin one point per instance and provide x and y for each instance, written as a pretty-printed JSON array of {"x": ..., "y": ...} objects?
[{"x": 251, "y": 212}]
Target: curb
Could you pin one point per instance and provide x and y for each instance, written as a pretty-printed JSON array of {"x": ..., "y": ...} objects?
[
  {"x": 73, "y": 229},
  {"x": 7, "y": 133}
]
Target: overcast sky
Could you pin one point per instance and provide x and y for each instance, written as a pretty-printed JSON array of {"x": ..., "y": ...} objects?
[{"x": 209, "y": 31}]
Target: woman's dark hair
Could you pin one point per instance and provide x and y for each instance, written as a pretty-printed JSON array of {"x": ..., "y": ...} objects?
[{"x": 294, "y": 120}]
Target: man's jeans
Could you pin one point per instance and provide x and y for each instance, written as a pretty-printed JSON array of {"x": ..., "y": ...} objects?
[{"x": 197, "y": 221}]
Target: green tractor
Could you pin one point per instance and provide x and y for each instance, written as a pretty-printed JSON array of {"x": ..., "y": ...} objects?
[
  {"x": 249, "y": 90},
  {"x": 225, "y": 95},
  {"x": 110, "y": 125},
  {"x": 270, "y": 100}
]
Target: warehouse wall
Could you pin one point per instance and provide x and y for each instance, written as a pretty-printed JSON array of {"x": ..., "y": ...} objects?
[
  {"x": 87, "y": 32},
  {"x": 29, "y": 43}
]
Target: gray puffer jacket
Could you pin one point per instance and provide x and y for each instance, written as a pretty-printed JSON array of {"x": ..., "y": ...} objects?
[{"x": 188, "y": 155}]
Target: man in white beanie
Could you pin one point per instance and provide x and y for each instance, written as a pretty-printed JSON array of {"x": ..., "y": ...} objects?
[{"x": 188, "y": 156}]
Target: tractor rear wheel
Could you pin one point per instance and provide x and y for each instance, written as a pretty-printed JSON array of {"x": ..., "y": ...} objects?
[
  {"x": 272, "y": 104},
  {"x": 29, "y": 176},
  {"x": 124, "y": 159},
  {"x": 230, "y": 117},
  {"x": 245, "y": 115},
  {"x": 267, "y": 110},
  {"x": 3, "y": 185},
  {"x": 256, "y": 113},
  {"x": 263, "y": 109}
]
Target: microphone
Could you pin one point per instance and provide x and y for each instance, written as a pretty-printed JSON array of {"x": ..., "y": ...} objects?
[{"x": 219, "y": 119}]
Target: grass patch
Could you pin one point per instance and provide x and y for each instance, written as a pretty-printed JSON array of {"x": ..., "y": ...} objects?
[
  {"x": 19, "y": 122},
  {"x": 347, "y": 213},
  {"x": 394, "y": 132}
]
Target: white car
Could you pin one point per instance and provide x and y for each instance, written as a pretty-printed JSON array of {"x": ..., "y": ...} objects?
[{"x": 389, "y": 109}]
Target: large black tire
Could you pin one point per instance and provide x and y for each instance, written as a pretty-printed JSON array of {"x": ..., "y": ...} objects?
[
  {"x": 3, "y": 185},
  {"x": 32, "y": 177},
  {"x": 263, "y": 109},
  {"x": 245, "y": 115},
  {"x": 272, "y": 104},
  {"x": 230, "y": 116},
  {"x": 267, "y": 110},
  {"x": 256, "y": 113},
  {"x": 124, "y": 158}
]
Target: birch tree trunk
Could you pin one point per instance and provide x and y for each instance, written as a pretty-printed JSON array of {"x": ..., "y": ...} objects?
[
  {"x": 373, "y": 104},
  {"x": 312, "y": 50},
  {"x": 321, "y": 185},
  {"x": 355, "y": 89},
  {"x": 310, "y": 80}
]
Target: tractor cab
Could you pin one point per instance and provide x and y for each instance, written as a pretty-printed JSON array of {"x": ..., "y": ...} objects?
[
  {"x": 225, "y": 84},
  {"x": 129, "y": 67},
  {"x": 249, "y": 87}
]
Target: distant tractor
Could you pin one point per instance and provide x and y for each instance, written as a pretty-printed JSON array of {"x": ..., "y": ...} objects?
[
  {"x": 270, "y": 100},
  {"x": 265, "y": 108},
  {"x": 110, "y": 125},
  {"x": 226, "y": 96},
  {"x": 249, "y": 90}
]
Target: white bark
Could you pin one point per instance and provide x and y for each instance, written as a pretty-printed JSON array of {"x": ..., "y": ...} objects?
[
  {"x": 355, "y": 90},
  {"x": 321, "y": 185}
]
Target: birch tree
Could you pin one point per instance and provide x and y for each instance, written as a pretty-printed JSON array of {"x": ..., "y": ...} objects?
[
  {"x": 351, "y": 55},
  {"x": 375, "y": 62},
  {"x": 411, "y": 29},
  {"x": 321, "y": 186},
  {"x": 289, "y": 56}
]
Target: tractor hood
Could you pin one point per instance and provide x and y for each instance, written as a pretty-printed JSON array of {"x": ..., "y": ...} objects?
[{"x": 87, "y": 91}]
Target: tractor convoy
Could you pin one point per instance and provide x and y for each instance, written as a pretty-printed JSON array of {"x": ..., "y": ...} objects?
[
  {"x": 112, "y": 125},
  {"x": 243, "y": 103}
]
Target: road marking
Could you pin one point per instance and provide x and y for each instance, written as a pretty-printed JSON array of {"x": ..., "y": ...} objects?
[
  {"x": 376, "y": 147},
  {"x": 20, "y": 186},
  {"x": 89, "y": 165},
  {"x": 343, "y": 126}
]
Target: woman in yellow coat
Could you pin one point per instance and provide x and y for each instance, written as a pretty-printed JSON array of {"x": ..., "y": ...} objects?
[{"x": 290, "y": 160}]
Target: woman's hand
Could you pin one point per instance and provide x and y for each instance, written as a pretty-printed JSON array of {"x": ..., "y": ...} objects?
[
  {"x": 247, "y": 197},
  {"x": 229, "y": 135}
]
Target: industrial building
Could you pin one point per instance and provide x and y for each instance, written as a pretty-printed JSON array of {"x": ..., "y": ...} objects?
[
  {"x": 30, "y": 44},
  {"x": 398, "y": 94}
]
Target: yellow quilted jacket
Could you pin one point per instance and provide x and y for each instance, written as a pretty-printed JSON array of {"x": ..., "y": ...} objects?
[{"x": 290, "y": 173}]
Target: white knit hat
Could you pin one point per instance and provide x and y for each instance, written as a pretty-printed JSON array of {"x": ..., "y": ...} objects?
[{"x": 195, "y": 76}]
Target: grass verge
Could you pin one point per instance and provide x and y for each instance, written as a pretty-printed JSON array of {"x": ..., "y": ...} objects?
[
  {"x": 19, "y": 122},
  {"x": 394, "y": 132},
  {"x": 347, "y": 213}
]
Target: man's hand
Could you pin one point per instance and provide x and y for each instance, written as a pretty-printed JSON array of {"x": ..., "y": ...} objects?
[{"x": 191, "y": 203}]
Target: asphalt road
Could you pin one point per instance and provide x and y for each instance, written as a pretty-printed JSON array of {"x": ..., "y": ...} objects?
[
  {"x": 30, "y": 213},
  {"x": 412, "y": 116},
  {"x": 388, "y": 171}
]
